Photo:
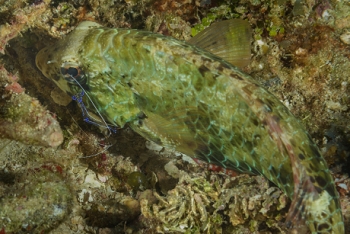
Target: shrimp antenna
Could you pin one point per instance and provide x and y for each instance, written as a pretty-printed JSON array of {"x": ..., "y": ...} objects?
[
  {"x": 106, "y": 147},
  {"x": 100, "y": 152},
  {"x": 79, "y": 99},
  {"x": 87, "y": 116}
]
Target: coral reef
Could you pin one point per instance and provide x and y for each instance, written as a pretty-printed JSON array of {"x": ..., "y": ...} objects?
[
  {"x": 197, "y": 205},
  {"x": 36, "y": 201},
  {"x": 124, "y": 184},
  {"x": 20, "y": 18},
  {"x": 22, "y": 118}
]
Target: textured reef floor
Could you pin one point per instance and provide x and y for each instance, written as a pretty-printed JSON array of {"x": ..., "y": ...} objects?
[{"x": 124, "y": 184}]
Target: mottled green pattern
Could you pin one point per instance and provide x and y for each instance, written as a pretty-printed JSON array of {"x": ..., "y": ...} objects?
[{"x": 185, "y": 98}]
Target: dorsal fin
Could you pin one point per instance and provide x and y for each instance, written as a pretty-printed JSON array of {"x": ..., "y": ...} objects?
[{"x": 229, "y": 39}]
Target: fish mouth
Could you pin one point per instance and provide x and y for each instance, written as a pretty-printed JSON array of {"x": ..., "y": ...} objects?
[
  {"x": 49, "y": 68},
  {"x": 41, "y": 60}
]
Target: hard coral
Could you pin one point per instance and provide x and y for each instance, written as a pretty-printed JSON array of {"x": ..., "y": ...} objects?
[{"x": 197, "y": 205}]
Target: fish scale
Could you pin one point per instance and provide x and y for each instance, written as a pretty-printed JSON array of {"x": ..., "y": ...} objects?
[{"x": 185, "y": 98}]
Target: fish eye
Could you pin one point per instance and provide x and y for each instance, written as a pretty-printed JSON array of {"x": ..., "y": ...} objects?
[
  {"x": 73, "y": 74},
  {"x": 72, "y": 71}
]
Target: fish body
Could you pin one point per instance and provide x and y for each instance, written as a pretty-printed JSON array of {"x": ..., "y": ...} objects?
[{"x": 183, "y": 97}]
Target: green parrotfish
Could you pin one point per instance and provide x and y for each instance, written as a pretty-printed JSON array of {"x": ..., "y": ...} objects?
[{"x": 189, "y": 97}]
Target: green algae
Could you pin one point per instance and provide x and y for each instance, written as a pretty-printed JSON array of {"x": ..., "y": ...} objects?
[{"x": 221, "y": 12}]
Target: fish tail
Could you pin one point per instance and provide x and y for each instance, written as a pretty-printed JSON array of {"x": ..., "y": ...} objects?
[
  {"x": 315, "y": 201},
  {"x": 318, "y": 210},
  {"x": 304, "y": 192}
]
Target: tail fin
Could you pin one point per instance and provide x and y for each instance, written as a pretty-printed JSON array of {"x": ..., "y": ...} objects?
[
  {"x": 315, "y": 200},
  {"x": 303, "y": 193},
  {"x": 317, "y": 209}
]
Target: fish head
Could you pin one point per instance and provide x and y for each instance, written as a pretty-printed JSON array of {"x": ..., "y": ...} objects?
[
  {"x": 74, "y": 65},
  {"x": 64, "y": 73},
  {"x": 61, "y": 63}
]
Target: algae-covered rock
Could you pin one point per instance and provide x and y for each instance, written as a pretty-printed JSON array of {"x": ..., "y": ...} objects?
[
  {"x": 111, "y": 213},
  {"x": 36, "y": 201},
  {"x": 22, "y": 117}
]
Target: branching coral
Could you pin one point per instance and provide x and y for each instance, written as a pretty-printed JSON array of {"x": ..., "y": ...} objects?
[{"x": 197, "y": 205}]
